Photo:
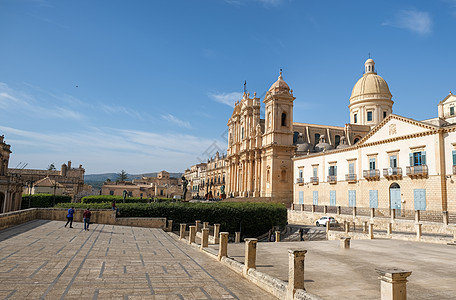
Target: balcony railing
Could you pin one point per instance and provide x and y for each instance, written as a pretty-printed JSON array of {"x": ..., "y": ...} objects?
[
  {"x": 371, "y": 174},
  {"x": 314, "y": 180},
  {"x": 351, "y": 177},
  {"x": 417, "y": 171},
  {"x": 332, "y": 179},
  {"x": 300, "y": 180},
  {"x": 392, "y": 173}
]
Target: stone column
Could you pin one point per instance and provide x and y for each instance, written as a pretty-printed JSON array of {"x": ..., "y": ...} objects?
[
  {"x": 205, "y": 238},
  {"x": 393, "y": 214},
  {"x": 347, "y": 227},
  {"x": 364, "y": 226},
  {"x": 372, "y": 213},
  {"x": 302, "y": 207},
  {"x": 328, "y": 226},
  {"x": 223, "y": 245},
  {"x": 277, "y": 236},
  {"x": 182, "y": 231},
  {"x": 345, "y": 242},
  {"x": 216, "y": 233},
  {"x": 417, "y": 216},
  {"x": 418, "y": 231},
  {"x": 393, "y": 284},
  {"x": 250, "y": 254},
  {"x": 192, "y": 234},
  {"x": 313, "y": 208},
  {"x": 371, "y": 231},
  {"x": 325, "y": 209},
  {"x": 389, "y": 229},
  {"x": 295, "y": 271},
  {"x": 338, "y": 210},
  {"x": 237, "y": 237},
  {"x": 197, "y": 225},
  {"x": 445, "y": 217},
  {"x": 206, "y": 225},
  {"x": 170, "y": 226}
]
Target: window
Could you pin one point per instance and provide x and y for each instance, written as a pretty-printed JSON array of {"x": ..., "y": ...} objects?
[
  {"x": 242, "y": 133},
  {"x": 317, "y": 138},
  {"x": 301, "y": 197},
  {"x": 223, "y": 179},
  {"x": 337, "y": 140},
  {"x": 284, "y": 119},
  {"x": 369, "y": 116},
  {"x": 332, "y": 198},
  {"x": 218, "y": 181},
  {"x": 419, "y": 196},
  {"x": 373, "y": 198},
  {"x": 352, "y": 198},
  {"x": 161, "y": 192},
  {"x": 332, "y": 171},
  {"x": 295, "y": 137},
  {"x": 315, "y": 198},
  {"x": 268, "y": 176},
  {"x": 300, "y": 173},
  {"x": 452, "y": 111},
  {"x": 371, "y": 163},
  {"x": 393, "y": 161},
  {"x": 130, "y": 194},
  {"x": 351, "y": 168},
  {"x": 418, "y": 158},
  {"x": 315, "y": 172},
  {"x": 384, "y": 114},
  {"x": 356, "y": 140},
  {"x": 111, "y": 193},
  {"x": 355, "y": 118}
]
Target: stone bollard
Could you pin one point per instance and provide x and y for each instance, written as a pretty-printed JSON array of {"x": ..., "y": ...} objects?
[
  {"x": 192, "y": 234},
  {"x": 295, "y": 271},
  {"x": 302, "y": 207},
  {"x": 216, "y": 233},
  {"x": 389, "y": 229},
  {"x": 393, "y": 284},
  {"x": 250, "y": 254},
  {"x": 182, "y": 231},
  {"x": 354, "y": 212},
  {"x": 328, "y": 226},
  {"x": 170, "y": 226},
  {"x": 325, "y": 209},
  {"x": 371, "y": 231},
  {"x": 354, "y": 226},
  {"x": 223, "y": 245},
  {"x": 418, "y": 231},
  {"x": 393, "y": 215},
  {"x": 338, "y": 210},
  {"x": 454, "y": 235},
  {"x": 205, "y": 238},
  {"x": 205, "y": 225},
  {"x": 313, "y": 208},
  {"x": 347, "y": 227},
  {"x": 372, "y": 213},
  {"x": 345, "y": 242},
  {"x": 237, "y": 237},
  {"x": 277, "y": 236},
  {"x": 364, "y": 226},
  {"x": 197, "y": 225},
  {"x": 417, "y": 216},
  {"x": 445, "y": 217}
]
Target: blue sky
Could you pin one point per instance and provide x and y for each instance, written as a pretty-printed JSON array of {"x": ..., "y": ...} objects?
[{"x": 149, "y": 85}]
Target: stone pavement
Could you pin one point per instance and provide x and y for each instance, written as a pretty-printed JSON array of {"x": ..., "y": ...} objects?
[
  {"x": 43, "y": 260},
  {"x": 334, "y": 273}
]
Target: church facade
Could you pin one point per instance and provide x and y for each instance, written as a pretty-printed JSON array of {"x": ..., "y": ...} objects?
[{"x": 10, "y": 184}]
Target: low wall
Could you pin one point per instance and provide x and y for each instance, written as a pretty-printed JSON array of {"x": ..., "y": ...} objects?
[
  {"x": 380, "y": 223},
  {"x": 99, "y": 216}
]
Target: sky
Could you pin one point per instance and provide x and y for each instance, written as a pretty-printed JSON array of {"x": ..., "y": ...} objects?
[{"x": 144, "y": 86}]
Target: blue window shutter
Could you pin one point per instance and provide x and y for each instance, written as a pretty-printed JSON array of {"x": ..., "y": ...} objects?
[
  {"x": 411, "y": 159},
  {"x": 423, "y": 157},
  {"x": 301, "y": 197},
  {"x": 419, "y": 199},
  {"x": 329, "y": 171},
  {"x": 454, "y": 157},
  {"x": 335, "y": 170},
  {"x": 373, "y": 198},
  {"x": 352, "y": 198},
  {"x": 315, "y": 197},
  {"x": 332, "y": 198}
]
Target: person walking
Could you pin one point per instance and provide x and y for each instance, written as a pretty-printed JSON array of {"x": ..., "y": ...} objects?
[
  {"x": 70, "y": 217},
  {"x": 86, "y": 217},
  {"x": 301, "y": 234}
]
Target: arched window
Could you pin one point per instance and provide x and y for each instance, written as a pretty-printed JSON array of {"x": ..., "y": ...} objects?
[
  {"x": 356, "y": 140},
  {"x": 317, "y": 138},
  {"x": 268, "y": 175},
  {"x": 337, "y": 140},
  {"x": 242, "y": 133},
  {"x": 284, "y": 175},
  {"x": 284, "y": 119},
  {"x": 295, "y": 137}
]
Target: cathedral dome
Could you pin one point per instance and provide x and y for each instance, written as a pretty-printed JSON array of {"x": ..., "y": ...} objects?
[
  {"x": 280, "y": 85},
  {"x": 322, "y": 145},
  {"x": 370, "y": 85}
]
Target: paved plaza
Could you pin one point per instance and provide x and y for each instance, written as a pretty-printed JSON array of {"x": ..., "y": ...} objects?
[
  {"x": 335, "y": 273},
  {"x": 45, "y": 260}
]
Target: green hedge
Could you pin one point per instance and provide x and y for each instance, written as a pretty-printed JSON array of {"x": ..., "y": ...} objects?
[
  {"x": 43, "y": 200},
  {"x": 252, "y": 219},
  {"x": 119, "y": 199}
]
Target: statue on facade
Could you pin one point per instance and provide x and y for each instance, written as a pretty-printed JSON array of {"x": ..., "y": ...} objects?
[{"x": 184, "y": 187}]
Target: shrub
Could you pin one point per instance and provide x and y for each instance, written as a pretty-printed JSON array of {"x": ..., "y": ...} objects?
[
  {"x": 43, "y": 200},
  {"x": 119, "y": 199}
]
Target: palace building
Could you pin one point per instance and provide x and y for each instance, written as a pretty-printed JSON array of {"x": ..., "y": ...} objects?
[{"x": 10, "y": 184}]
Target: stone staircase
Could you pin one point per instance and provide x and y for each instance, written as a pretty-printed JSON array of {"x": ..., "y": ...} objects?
[{"x": 310, "y": 234}]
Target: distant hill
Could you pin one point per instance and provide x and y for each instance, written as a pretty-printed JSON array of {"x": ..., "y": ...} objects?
[{"x": 97, "y": 180}]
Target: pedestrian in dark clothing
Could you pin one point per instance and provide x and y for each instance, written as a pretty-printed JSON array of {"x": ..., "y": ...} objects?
[
  {"x": 86, "y": 217},
  {"x": 70, "y": 217},
  {"x": 301, "y": 234}
]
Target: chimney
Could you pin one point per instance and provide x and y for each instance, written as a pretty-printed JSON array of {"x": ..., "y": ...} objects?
[{"x": 69, "y": 164}]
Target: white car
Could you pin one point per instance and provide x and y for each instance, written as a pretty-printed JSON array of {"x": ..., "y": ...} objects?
[{"x": 322, "y": 221}]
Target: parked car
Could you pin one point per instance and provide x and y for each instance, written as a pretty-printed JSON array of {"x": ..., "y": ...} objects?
[{"x": 322, "y": 221}]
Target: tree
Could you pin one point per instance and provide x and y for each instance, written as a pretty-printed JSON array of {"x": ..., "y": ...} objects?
[
  {"x": 51, "y": 167},
  {"x": 122, "y": 176}
]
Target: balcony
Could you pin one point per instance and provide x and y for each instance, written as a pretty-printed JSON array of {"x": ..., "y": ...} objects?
[
  {"x": 417, "y": 171},
  {"x": 371, "y": 174},
  {"x": 332, "y": 179},
  {"x": 314, "y": 180},
  {"x": 350, "y": 178},
  {"x": 392, "y": 173},
  {"x": 300, "y": 180}
]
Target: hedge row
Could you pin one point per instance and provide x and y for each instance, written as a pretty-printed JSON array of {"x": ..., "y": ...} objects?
[
  {"x": 252, "y": 219},
  {"x": 119, "y": 199},
  {"x": 43, "y": 200}
]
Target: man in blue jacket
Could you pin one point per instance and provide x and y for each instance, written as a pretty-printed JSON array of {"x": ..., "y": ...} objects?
[{"x": 70, "y": 217}]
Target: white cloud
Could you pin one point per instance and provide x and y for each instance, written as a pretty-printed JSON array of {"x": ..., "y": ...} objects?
[
  {"x": 226, "y": 98},
  {"x": 234, "y": 2},
  {"x": 270, "y": 2},
  {"x": 419, "y": 22},
  {"x": 176, "y": 121},
  {"x": 118, "y": 109}
]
